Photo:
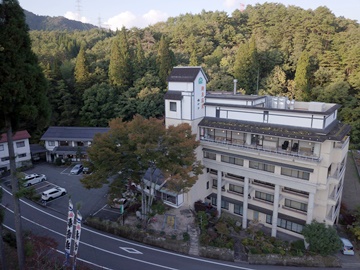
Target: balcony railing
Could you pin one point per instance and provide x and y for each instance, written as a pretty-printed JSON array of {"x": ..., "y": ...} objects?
[{"x": 262, "y": 149}]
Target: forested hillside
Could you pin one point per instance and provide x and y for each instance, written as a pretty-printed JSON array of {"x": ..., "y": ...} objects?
[{"x": 272, "y": 49}]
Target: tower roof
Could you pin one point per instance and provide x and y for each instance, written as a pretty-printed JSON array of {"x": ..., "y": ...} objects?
[{"x": 185, "y": 74}]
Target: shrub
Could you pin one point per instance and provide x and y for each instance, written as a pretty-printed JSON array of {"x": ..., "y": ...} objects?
[
  {"x": 186, "y": 236},
  {"x": 322, "y": 239}
]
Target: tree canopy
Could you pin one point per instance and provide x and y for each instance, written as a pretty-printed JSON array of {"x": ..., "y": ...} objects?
[{"x": 129, "y": 148}]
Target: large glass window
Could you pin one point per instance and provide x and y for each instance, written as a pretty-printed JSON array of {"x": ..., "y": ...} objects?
[
  {"x": 288, "y": 225},
  {"x": 261, "y": 166},
  {"x": 236, "y": 189},
  {"x": 296, "y": 205},
  {"x": 264, "y": 196},
  {"x": 232, "y": 160},
  {"x": 295, "y": 173},
  {"x": 209, "y": 155},
  {"x": 173, "y": 106},
  {"x": 262, "y": 183}
]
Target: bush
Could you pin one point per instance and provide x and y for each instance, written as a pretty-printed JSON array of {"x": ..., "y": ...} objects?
[
  {"x": 186, "y": 237},
  {"x": 322, "y": 239}
]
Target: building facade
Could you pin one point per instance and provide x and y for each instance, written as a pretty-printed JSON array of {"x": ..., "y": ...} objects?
[
  {"x": 277, "y": 161},
  {"x": 69, "y": 143},
  {"x": 21, "y": 148}
]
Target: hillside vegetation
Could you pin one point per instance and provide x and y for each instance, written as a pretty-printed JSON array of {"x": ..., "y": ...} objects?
[{"x": 97, "y": 75}]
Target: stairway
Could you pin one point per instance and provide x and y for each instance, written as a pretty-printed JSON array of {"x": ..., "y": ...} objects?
[{"x": 194, "y": 240}]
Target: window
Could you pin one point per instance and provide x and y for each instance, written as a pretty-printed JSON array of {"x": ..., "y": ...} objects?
[
  {"x": 236, "y": 189},
  {"x": 51, "y": 143},
  {"x": 217, "y": 113},
  {"x": 207, "y": 185},
  {"x": 295, "y": 173},
  {"x": 1, "y": 147},
  {"x": 5, "y": 158},
  {"x": 232, "y": 160},
  {"x": 209, "y": 155},
  {"x": 264, "y": 196},
  {"x": 213, "y": 201},
  {"x": 261, "y": 166},
  {"x": 238, "y": 209},
  {"x": 22, "y": 155},
  {"x": 296, "y": 205},
  {"x": 288, "y": 225},
  {"x": 20, "y": 144},
  {"x": 225, "y": 205},
  {"x": 173, "y": 106},
  {"x": 214, "y": 185},
  {"x": 266, "y": 116}
]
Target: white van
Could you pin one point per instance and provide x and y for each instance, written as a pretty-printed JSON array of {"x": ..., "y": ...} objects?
[{"x": 347, "y": 247}]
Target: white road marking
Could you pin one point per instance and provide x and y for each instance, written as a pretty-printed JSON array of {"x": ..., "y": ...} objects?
[
  {"x": 131, "y": 250},
  {"x": 130, "y": 243}
]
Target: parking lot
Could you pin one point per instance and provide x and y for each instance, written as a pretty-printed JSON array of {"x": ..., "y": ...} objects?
[{"x": 90, "y": 202}]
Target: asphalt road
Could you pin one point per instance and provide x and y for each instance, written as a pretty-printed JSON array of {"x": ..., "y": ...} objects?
[{"x": 98, "y": 249}]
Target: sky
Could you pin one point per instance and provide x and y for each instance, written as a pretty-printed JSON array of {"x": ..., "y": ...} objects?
[{"x": 114, "y": 14}]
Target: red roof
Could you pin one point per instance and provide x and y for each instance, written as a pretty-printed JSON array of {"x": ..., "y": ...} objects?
[{"x": 19, "y": 135}]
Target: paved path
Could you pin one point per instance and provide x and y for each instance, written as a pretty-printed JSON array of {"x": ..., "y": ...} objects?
[{"x": 351, "y": 191}]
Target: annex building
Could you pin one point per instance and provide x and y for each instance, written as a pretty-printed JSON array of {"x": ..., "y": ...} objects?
[{"x": 278, "y": 161}]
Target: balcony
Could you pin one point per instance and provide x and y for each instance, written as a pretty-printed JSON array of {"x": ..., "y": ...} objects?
[{"x": 267, "y": 147}]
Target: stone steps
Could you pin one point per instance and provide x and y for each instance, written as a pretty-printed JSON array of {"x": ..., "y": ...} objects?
[{"x": 194, "y": 241}]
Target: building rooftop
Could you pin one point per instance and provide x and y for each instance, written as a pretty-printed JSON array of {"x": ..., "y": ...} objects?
[
  {"x": 336, "y": 131},
  {"x": 185, "y": 74},
  {"x": 72, "y": 133}
]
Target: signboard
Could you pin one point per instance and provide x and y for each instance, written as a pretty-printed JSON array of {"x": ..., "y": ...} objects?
[{"x": 69, "y": 230}]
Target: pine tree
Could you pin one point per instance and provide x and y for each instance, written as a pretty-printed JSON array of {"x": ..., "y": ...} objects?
[
  {"x": 81, "y": 68},
  {"x": 120, "y": 68},
  {"x": 246, "y": 69},
  {"x": 302, "y": 77},
  {"x": 164, "y": 60},
  {"x": 23, "y": 89}
]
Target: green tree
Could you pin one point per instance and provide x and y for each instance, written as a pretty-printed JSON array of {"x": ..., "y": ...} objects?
[
  {"x": 81, "y": 69},
  {"x": 23, "y": 90},
  {"x": 165, "y": 60},
  {"x": 120, "y": 68},
  {"x": 133, "y": 147},
  {"x": 302, "y": 77},
  {"x": 99, "y": 105},
  {"x": 246, "y": 67},
  {"x": 322, "y": 239}
]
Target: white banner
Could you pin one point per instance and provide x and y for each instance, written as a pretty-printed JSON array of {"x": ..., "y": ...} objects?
[
  {"x": 69, "y": 231},
  {"x": 77, "y": 235}
]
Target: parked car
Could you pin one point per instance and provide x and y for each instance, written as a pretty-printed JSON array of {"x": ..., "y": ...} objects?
[
  {"x": 347, "y": 248},
  {"x": 77, "y": 169},
  {"x": 32, "y": 179},
  {"x": 53, "y": 193}
]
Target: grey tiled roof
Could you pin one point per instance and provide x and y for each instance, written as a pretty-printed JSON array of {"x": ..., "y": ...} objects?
[
  {"x": 72, "y": 133},
  {"x": 184, "y": 74},
  {"x": 173, "y": 95},
  {"x": 70, "y": 150},
  {"x": 337, "y": 131}
]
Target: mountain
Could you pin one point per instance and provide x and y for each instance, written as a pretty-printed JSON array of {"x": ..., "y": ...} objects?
[{"x": 47, "y": 23}]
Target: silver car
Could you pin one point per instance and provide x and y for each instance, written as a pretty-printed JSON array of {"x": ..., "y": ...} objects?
[{"x": 77, "y": 169}]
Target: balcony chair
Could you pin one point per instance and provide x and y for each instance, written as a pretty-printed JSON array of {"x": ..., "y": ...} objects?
[
  {"x": 295, "y": 147},
  {"x": 285, "y": 145}
]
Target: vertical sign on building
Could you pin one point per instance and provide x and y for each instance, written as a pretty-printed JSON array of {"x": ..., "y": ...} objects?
[
  {"x": 69, "y": 230},
  {"x": 77, "y": 236}
]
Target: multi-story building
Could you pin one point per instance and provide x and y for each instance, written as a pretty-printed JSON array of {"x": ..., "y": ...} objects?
[
  {"x": 278, "y": 161},
  {"x": 69, "y": 142},
  {"x": 21, "y": 148}
]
